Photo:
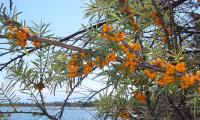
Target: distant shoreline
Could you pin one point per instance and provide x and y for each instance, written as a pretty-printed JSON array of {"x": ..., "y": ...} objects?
[
  {"x": 47, "y": 106},
  {"x": 56, "y": 104}
]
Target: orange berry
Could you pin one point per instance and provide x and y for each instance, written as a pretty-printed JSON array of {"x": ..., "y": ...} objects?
[
  {"x": 82, "y": 55},
  {"x": 112, "y": 56},
  {"x": 170, "y": 69},
  {"x": 21, "y": 34},
  {"x": 130, "y": 56},
  {"x": 86, "y": 69},
  {"x": 134, "y": 46},
  {"x": 149, "y": 74},
  {"x": 134, "y": 26},
  {"x": 122, "y": 36},
  {"x": 140, "y": 97},
  {"x": 37, "y": 44},
  {"x": 125, "y": 115},
  {"x": 180, "y": 67},
  {"x": 106, "y": 28},
  {"x": 21, "y": 43},
  {"x": 132, "y": 66},
  {"x": 10, "y": 35},
  {"x": 119, "y": 36},
  {"x": 112, "y": 38},
  {"x": 157, "y": 22},
  {"x": 40, "y": 86},
  {"x": 153, "y": 14},
  {"x": 166, "y": 80},
  {"x": 187, "y": 81},
  {"x": 164, "y": 39}
]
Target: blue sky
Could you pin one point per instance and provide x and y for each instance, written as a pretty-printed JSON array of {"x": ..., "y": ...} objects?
[{"x": 65, "y": 16}]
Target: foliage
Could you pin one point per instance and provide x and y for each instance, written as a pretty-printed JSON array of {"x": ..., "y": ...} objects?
[{"x": 147, "y": 51}]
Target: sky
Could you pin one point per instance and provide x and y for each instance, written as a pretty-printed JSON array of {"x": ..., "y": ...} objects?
[{"x": 65, "y": 16}]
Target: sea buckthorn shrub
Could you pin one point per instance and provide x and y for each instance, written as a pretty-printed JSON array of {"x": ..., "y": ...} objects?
[
  {"x": 152, "y": 63},
  {"x": 144, "y": 49}
]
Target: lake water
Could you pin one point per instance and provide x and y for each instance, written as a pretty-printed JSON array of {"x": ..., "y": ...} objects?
[{"x": 70, "y": 113}]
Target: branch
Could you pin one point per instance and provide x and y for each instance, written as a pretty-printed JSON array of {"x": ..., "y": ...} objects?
[
  {"x": 174, "y": 4},
  {"x": 14, "y": 59},
  {"x": 156, "y": 102},
  {"x": 82, "y": 31},
  {"x": 107, "y": 86},
  {"x": 50, "y": 42},
  {"x": 148, "y": 103},
  {"x": 11, "y": 4},
  {"x": 60, "y": 114},
  {"x": 172, "y": 27},
  {"x": 57, "y": 43},
  {"x": 192, "y": 51},
  {"x": 41, "y": 106},
  {"x": 158, "y": 11},
  {"x": 34, "y": 113},
  {"x": 174, "y": 106},
  {"x": 187, "y": 109}
]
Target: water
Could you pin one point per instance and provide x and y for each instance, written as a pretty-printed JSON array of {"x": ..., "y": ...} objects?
[{"x": 70, "y": 113}]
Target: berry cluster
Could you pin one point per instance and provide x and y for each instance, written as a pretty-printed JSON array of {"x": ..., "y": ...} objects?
[{"x": 20, "y": 35}]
